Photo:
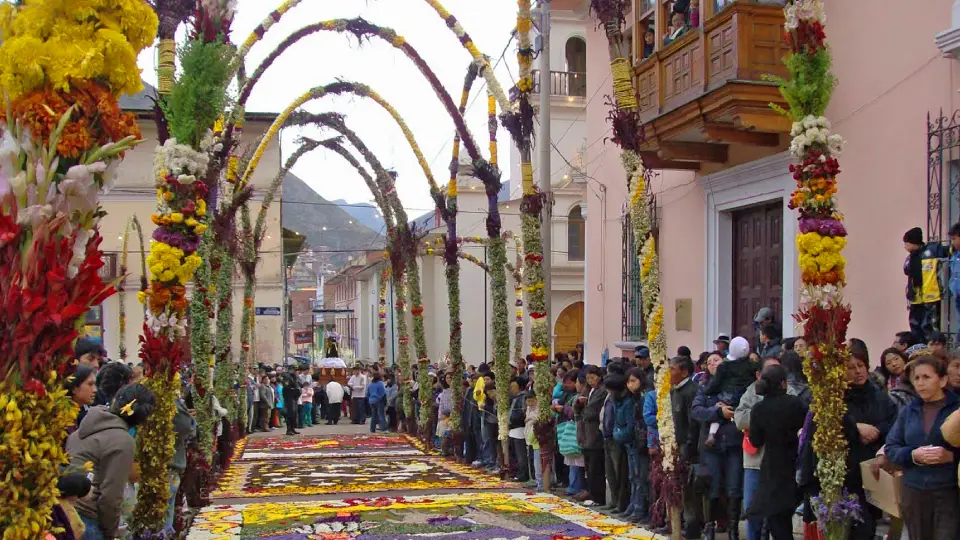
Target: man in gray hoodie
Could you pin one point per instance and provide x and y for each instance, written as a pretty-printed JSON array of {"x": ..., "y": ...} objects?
[{"x": 104, "y": 439}]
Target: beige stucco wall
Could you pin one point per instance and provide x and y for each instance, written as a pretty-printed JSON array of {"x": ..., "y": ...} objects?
[
  {"x": 886, "y": 87},
  {"x": 134, "y": 195}
]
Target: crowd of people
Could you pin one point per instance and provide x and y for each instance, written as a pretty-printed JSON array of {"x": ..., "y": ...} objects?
[
  {"x": 97, "y": 502},
  {"x": 741, "y": 422},
  {"x": 294, "y": 397},
  {"x": 743, "y": 429}
]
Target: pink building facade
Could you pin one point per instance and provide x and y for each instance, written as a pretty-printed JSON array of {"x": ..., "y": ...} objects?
[{"x": 726, "y": 235}]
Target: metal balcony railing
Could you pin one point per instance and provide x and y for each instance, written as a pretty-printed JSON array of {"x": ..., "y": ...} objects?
[{"x": 563, "y": 83}]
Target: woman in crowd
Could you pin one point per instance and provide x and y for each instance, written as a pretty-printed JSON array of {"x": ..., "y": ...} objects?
[
  {"x": 82, "y": 389},
  {"x": 104, "y": 439},
  {"x": 892, "y": 364},
  {"x": 752, "y": 455},
  {"x": 588, "y": 407},
  {"x": 774, "y": 424},
  {"x": 903, "y": 394},
  {"x": 392, "y": 392},
  {"x": 444, "y": 409},
  {"x": 724, "y": 459},
  {"x": 796, "y": 380},
  {"x": 110, "y": 379},
  {"x": 953, "y": 374},
  {"x": 638, "y": 454},
  {"x": 930, "y": 505},
  {"x": 870, "y": 415},
  {"x": 563, "y": 406}
]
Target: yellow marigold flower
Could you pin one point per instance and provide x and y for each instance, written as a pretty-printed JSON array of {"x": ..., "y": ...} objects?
[
  {"x": 167, "y": 196},
  {"x": 190, "y": 222},
  {"x": 167, "y": 275},
  {"x": 200, "y": 229},
  {"x": 177, "y": 217}
]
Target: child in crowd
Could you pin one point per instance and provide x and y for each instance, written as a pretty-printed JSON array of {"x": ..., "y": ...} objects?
[
  {"x": 533, "y": 446},
  {"x": 306, "y": 403},
  {"x": 733, "y": 377}
]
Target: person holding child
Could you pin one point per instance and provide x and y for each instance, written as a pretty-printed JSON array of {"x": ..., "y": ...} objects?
[{"x": 722, "y": 452}]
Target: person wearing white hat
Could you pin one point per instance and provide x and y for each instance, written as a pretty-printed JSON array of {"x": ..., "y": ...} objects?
[{"x": 733, "y": 377}]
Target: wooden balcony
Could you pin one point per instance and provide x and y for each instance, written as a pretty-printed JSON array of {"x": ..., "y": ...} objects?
[{"x": 705, "y": 93}]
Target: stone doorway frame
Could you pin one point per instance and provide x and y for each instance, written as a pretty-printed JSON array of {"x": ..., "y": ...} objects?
[{"x": 761, "y": 181}]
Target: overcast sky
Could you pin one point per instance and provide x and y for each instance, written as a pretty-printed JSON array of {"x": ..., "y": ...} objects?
[{"x": 326, "y": 56}]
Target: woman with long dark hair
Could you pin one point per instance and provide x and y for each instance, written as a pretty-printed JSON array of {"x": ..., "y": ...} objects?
[
  {"x": 893, "y": 362},
  {"x": 930, "y": 505},
  {"x": 774, "y": 424},
  {"x": 81, "y": 386}
]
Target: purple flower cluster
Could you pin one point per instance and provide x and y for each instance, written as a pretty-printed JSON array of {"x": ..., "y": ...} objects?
[
  {"x": 832, "y": 228},
  {"x": 843, "y": 512},
  {"x": 177, "y": 240}
]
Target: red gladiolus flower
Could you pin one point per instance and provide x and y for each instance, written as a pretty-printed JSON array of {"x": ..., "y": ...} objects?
[
  {"x": 36, "y": 387},
  {"x": 41, "y": 304}
]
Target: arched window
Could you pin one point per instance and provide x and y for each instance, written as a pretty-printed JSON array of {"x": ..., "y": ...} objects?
[
  {"x": 575, "y": 53},
  {"x": 576, "y": 235}
]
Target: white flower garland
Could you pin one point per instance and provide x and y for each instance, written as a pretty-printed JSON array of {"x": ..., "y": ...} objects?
[
  {"x": 805, "y": 10},
  {"x": 813, "y": 130},
  {"x": 178, "y": 160}
]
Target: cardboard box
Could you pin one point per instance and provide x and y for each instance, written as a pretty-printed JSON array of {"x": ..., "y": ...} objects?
[{"x": 885, "y": 492}]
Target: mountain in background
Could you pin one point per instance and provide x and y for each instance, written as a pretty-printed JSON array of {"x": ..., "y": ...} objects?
[
  {"x": 306, "y": 212},
  {"x": 365, "y": 213}
]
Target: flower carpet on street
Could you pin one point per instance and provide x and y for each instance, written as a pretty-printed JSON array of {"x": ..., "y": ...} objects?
[
  {"x": 320, "y": 476},
  {"x": 331, "y": 446},
  {"x": 476, "y": 516}
]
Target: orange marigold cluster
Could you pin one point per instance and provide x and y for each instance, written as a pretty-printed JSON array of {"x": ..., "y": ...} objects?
[{"x": 96, "y": 119}]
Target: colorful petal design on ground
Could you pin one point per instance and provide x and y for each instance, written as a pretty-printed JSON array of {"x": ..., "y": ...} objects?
[
  {"x": 473, "y": 516},
  {"x": 298, "y": 477},
  {"x": 334, "y": 446}
]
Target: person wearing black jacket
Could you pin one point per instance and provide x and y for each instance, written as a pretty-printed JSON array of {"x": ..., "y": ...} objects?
[
  {"x": 870, "y": 417},
  {"x": 291, "y": 394},
  {"x": 517, "y": 419},
  {"x": 687, "y": 432},
  {"x": 774, "y": 423},
  {"x": 590, "y": 438}
]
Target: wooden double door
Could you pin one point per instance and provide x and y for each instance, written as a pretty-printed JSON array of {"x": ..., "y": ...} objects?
[{"x": 757, "y": 265}]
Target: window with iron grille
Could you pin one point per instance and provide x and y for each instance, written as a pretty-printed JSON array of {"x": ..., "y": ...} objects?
[{"x": 633, "y": 326}]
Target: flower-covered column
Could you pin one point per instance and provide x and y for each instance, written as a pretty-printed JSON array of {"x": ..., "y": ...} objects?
[
  {"x": 181, "y": 165},
  {"x": 63, "y": 135},
  {"x": 382, "y": 313},
  {"x": 201, "y": 347},
  {"x": 823, "y": 313},
  {"x": 164, "y": 348},
  {"x": 452, "y": 273}
]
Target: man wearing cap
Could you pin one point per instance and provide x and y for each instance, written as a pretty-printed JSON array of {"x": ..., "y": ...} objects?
[
  {"x": 765, "y": 317},
  {"x": 641, "y": 357},
  {"x": 924, "y": 290},
  {"x": 722, "y": 344}
]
